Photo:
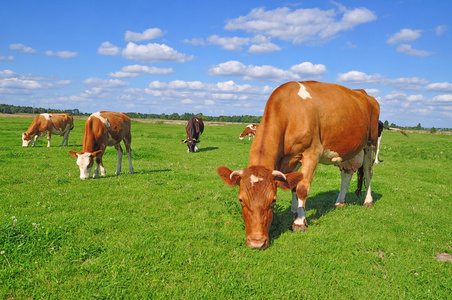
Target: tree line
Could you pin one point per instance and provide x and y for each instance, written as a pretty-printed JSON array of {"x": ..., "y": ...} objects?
[{"x": 13, "y": 109}]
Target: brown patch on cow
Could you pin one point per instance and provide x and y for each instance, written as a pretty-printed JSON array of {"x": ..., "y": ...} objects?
[{"x": 443, "y": 257}]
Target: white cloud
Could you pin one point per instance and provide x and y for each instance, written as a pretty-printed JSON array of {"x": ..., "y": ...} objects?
[
  {"x": 102, "y": 83},
  {"x": 302, "y": 71},
  {"x": 153, "y": 53},
  {"x": 263, "y": 48},
  {"x": 228, "y": 43},
  {"x": 7, "y": 58},
  {"x": 17, "y": 83},
  {"x": 404, "y": 35},
  {"x": 439, "y": 87},
  {"x": 61, "y": 54},
  {"x": 440, "y": 30},
  {"x": 195, "y": 41},
  {"x": 361, "y": 78},
  {"x": 300, "y": 25},
  {"x": 443, "y": 98},
  {"x": 407, "y": 49},
  {"x": 133, "y": 71},
  {"x": 148, "y": 34},
  {"x": 107, "y": 48},
  {"x": 22, "y": 48}
]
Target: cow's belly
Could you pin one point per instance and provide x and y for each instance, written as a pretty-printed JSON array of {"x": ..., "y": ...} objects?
[{"x": 56, "y": 131}]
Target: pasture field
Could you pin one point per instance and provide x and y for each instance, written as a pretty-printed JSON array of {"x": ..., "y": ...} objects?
[{"x": 173, "y": 230}]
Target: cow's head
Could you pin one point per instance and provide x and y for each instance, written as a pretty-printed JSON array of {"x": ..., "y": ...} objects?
[
  {"x": 26, "y": 139},
  {"x": 85, "y": 161},
  {"x": 257, "y": 196},
  {"x": 192, "y": 144}
]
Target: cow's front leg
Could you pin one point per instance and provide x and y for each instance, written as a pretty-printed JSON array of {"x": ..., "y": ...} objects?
[
  {"x": 100, "y": 166},
  {"x": 309, "y": 165},
  {"x": 119, "y": 155},
  {"x": 34, "y": 142}
]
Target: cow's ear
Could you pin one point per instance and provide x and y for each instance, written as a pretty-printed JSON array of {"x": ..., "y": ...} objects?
[
  {"x": 98, "y": 153},
  {"x": 225, "y": 174},
  {"x": 73, "y": 153},
  {"x": 291, "y": 181}
]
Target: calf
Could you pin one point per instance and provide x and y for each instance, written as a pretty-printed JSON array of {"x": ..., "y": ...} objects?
[
  {"x": 249, "y": 131},
  {"x": 103, "y": 129},
  {"x": 194, "y": 129},
  {"x": 60, "y": 124}
]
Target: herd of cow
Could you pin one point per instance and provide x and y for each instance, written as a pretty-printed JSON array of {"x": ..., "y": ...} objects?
[{"x": 304, "y": 124}]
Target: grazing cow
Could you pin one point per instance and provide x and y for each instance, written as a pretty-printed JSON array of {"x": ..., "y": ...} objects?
[
  {"x": 194, "y": 128},
  {"x": 103, "y": 129},
  {"x": 377, "y": 160},
  {"x": 380, "y": 135},
  {"x": 304, "y": 123},
  {"x": 249, "y": 131},
  {"x": 60, "y": 124}
]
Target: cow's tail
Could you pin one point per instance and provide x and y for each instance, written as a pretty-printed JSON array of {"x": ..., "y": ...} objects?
[
  {"x": 396, "y": 129},
  {"x": 360, "y": 182}
]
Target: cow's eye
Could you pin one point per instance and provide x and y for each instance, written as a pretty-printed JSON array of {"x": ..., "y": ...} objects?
[{"x": 273, "y": 203}]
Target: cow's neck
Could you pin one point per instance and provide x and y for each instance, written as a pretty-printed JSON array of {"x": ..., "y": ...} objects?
[
  {"x": 89, "y": 142},
  {"x": 266, "y": 148}
]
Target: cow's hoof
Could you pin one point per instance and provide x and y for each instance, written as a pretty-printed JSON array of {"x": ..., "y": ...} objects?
[
  {"x": 368, "y": 204},
  {"x": 339, "y": 204}
]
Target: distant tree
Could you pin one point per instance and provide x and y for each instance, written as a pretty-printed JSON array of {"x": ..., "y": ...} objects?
[
  {"x": 419, "y": 127},
  {"x": 433, "y": 130},
  {"x": 386, "y": 123}
]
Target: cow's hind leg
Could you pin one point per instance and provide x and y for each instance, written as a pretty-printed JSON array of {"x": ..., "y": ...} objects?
[
  {"x": 49, "y": 135},
  {"x": 119, "y": 154},
  {"x": 129, "y": 155},
  {"x": 345, "y": 182},
  {"x": 367, "y": 166}
]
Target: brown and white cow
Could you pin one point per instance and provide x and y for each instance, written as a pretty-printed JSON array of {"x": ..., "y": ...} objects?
[
  {"x": 304, "y": 123},
  {"x": 249, "y": 131},
  {"x": 49, "y": 124},
  {"x": 194, "y": 129},
  {"x": 103, "y": 129}
]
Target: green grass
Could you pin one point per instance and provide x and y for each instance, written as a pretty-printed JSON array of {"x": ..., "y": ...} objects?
[{"x": 173, "y": 230}]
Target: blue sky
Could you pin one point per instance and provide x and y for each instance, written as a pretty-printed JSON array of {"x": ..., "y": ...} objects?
[{"x": 225, "y": 57}]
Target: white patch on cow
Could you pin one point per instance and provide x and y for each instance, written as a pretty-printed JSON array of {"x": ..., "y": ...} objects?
[
  {"x": 303, "y": 93},
  {"x": 46, "y": 116},
  {"x": 102, "y": 119},
  {"x": 254, "y": 179},
  {"x": 83, "y": 161}
]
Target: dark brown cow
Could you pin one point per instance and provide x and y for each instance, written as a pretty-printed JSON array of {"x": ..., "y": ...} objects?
[
  {"x": 194, "y": 128},
  {"x": 60, "y": 124},
  {"x": 103, "y": 129},
  {"x": 380, "y": 135},
  {"x": 304, "y": 123},
  {"x": 249, "y": 131},
  {"x": 377, "y": 155}
]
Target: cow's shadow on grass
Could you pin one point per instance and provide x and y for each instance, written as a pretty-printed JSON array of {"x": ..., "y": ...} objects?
[
  {"x": 152, "y": 171},
  {"x": 207, "y": 149},
  {"x": 316, "y": 207}
]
